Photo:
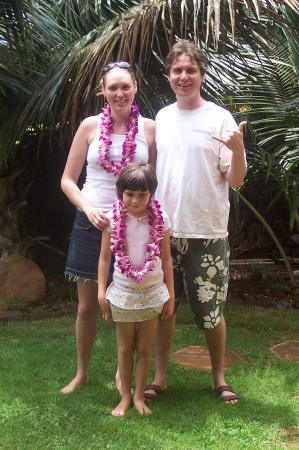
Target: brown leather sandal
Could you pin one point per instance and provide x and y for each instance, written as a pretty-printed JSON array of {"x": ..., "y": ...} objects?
[{"x": 228, "y": 397}]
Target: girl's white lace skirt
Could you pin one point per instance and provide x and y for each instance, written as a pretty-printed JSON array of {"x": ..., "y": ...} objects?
[{"x": 130, "y": 304}]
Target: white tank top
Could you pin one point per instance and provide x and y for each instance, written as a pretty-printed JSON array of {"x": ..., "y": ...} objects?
[{"x": 99, "y": 186}]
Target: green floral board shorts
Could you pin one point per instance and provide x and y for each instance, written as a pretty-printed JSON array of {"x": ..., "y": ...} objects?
[{"x": 201, "y": 277}]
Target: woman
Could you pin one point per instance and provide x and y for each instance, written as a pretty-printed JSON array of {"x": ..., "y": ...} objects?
[{"x": 108, "y": 142}]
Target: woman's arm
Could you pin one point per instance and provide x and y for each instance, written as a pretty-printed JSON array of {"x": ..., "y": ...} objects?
[
  {"x": 167, "y": 267},
  {"x": 103, "y": 272},
  {"x": 149, "y": 131},
  {"x": 73, "y": 168}
]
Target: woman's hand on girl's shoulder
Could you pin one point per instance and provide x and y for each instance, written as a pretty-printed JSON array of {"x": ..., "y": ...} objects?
[{"x": 97, "y": 217}]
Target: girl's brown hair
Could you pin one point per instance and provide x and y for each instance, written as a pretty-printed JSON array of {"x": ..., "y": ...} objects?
[{"x": 137, "y": 176}]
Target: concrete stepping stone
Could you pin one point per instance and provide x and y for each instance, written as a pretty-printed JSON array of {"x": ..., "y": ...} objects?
[
  {"x": 198, "y": 357},
  {"x": 288, "y": 350}
]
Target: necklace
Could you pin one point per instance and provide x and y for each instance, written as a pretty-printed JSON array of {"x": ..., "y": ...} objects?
[
  {"x": 118, "y": 238},
  {"x": 129, "y": 145}
]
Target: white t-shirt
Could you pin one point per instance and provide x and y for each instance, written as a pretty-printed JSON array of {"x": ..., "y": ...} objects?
[
  {"x": 190, "y": 166},
  {"x": 137, "y": 239},
  {"x": 99, "y": 186}
]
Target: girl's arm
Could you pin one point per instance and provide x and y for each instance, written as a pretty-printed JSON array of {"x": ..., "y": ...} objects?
[
  {"x": 103, "y": 272},
  {"x": 167, "y": 267}
]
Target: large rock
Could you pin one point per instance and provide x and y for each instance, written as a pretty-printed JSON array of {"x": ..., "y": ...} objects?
[{"x": 21, "y": 282}]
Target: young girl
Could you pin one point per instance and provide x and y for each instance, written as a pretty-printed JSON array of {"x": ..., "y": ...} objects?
[{"x": 142, "y": 287}]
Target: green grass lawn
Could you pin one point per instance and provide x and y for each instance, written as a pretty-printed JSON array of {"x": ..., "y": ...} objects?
[{"x": 37, "y": 358}]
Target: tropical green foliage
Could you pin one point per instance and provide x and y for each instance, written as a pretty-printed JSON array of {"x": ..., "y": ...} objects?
[
  {"x": 53, "y": 52},
  {"x": 270, "y": 101}
]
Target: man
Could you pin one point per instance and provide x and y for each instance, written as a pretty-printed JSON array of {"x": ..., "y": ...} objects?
[{"x": 200, "y": 152}]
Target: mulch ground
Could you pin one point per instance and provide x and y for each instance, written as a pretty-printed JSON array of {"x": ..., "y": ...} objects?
[{"x": 266, "y": 288}]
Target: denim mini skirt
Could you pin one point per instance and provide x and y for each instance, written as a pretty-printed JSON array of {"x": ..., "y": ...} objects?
[{"x": 84, "y": 250}]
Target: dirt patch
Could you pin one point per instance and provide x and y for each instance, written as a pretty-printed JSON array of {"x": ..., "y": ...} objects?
[
  {"x": 266, "y": 287},
  {"x": 50, "y": 307},
  {"x": 60, "y": 298}
]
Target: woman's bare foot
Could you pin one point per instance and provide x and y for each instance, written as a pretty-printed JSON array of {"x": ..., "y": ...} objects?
[
  {"x": 141, "y": 407},
  {"x": 74, "y": 384},
  {"x": 122, "y": 407}
]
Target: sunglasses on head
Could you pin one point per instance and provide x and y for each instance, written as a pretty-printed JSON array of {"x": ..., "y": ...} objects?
[{"x": 121, "y": 64}]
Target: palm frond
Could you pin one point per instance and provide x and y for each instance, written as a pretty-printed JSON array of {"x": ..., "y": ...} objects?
[{"x": 54, "y": 52}]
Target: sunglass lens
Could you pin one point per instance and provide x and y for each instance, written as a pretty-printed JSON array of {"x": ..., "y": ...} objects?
[
  {"x": 124, "y": 65},
  {"x": 121, "y": 64}
]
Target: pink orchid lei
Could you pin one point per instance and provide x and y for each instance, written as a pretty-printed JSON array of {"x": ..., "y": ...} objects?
[
  {"x": 118, "y": 238},
  {"x": 129, "y": 145}
]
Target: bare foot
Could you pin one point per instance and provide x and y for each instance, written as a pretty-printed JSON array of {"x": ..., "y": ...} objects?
[
  {"x": 74, "y": 384},
  {"x": 141, "y": 406},
  {"x": 122, "y": 407}
]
